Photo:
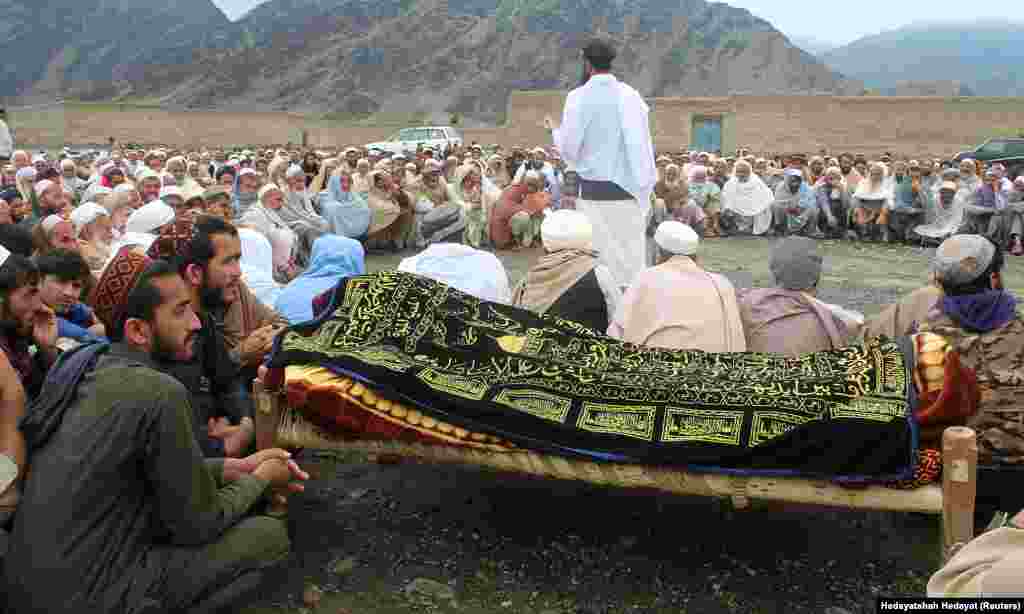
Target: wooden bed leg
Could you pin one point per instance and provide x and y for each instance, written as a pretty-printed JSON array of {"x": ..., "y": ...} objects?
[
  {"x": 959, "y": 487},
  {"x": 268, "y": 415}
]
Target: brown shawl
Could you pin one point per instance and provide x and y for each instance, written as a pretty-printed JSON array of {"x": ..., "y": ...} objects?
[{"x": 551, "y": 276}]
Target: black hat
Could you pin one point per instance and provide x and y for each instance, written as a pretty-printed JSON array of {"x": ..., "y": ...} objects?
[{"x": 599, "y": 52}]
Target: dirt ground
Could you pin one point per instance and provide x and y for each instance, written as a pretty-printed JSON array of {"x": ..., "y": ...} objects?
[{"x": 412, "y": 538}]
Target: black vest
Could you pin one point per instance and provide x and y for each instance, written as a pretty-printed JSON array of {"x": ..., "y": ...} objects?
[{"x": 584, "y": 303}]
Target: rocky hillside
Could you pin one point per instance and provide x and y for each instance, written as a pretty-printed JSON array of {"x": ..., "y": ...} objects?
[
  {"x": 57, "y": 45},
  {"x": 355, "y": 58},
  {"x": 985, "y": 57}
]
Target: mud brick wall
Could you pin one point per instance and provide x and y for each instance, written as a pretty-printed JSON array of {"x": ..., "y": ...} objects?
[{"x": 913, "y": 126}]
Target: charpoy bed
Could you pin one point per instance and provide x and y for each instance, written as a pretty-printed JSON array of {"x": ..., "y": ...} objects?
[{"x": 400, "y": 365}]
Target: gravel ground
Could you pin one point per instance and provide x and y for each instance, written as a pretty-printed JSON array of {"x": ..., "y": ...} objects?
[{"x": 409, "y": 538}]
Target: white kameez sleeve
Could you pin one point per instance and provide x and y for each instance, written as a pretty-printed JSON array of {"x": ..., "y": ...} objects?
[
  {"x": 568, "y": 137},
  {"x": 610, "y": 290}
]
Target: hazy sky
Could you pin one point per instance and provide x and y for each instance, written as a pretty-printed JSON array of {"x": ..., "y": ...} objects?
[
  {"x": 833, "y": 22},
  {"x": 844, "y": 22}
]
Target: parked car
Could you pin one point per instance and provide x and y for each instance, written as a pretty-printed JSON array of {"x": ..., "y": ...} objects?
[
  {"x": 1007, "y": 151},
  {"x": 406, "y": 140}
]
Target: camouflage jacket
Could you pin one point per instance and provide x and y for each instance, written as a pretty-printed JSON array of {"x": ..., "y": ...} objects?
[{"x": 997, "y": 357}]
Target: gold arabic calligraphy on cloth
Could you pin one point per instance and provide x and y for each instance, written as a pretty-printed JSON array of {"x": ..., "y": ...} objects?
[{"x": 476, "y": 350}]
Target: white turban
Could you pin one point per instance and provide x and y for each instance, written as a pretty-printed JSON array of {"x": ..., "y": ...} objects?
[
  {"x": 270, "y": 187},
  {"x": 567, "y": 229},
  {"x": 149, "y": 217},
  {"x": 50, "y": 221},
  {"x": 677, "y": 238},
  {"x": 124, "y": 187},
  {"x": 293, "y": 171},
  {"x": 86, "y": 214},
  {"x": 42, "y": 186}
]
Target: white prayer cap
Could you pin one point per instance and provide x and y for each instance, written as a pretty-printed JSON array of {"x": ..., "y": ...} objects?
[
  {"x": 171, "y": 190},
  {"x": 349, "y": 150},
  {"x": 267, "y": 189},
  {"x": 677, "y": 238},
  {"x": 539, "y": 150},
  {"x": 567, "y": 229},
  {"x": 26, "y": 172},
  {"x": 398, "y": 157},
  {"x": 247, "y": 171},
  {"x": 42, "y": 186},
  {"x": 124, "y": 187},
  {"x": 67, "y": 163},
  {"x": 50, "y": 221},
  {"x": 86, "y": 214},
  {"x": 149, "y": 217},
  {"x": 38, "y": 158},
  {"x": 294, "y": 170},
  {"x": 793, "y": 172},
  {"x": 410, "y": 166}
]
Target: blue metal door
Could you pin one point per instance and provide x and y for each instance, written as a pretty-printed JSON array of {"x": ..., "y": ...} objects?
[{"x": 706, "y": 134}]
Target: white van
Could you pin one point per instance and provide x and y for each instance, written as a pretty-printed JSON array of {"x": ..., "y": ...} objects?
[{"x": 406, "y": 140}]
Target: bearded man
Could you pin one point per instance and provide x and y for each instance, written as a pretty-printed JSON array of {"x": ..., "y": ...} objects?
[
  {"x": 25, "y": 322},
  {"x": 248, "y": 191},
  {"x": 121, "y": 512}
]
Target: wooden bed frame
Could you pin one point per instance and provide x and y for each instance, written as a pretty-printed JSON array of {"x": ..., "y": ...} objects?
[{"x": 953, "y": 500}]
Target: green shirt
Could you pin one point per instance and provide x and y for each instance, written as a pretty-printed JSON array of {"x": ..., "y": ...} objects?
[{"x": 122, "y": 476}]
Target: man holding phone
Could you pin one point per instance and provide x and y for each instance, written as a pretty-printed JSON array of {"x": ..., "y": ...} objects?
[{"x": 605, "y": 138}]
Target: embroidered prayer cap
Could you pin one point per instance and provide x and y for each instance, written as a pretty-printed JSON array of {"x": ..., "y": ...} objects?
[
  {"x": 86, "y": 214},
  {"x": 962, "y": 258},
  {"x": 567, "y": 229},
  {"x": 149, "y": 217},
  {"x": 795, "y": 263},
  {"x": 294, "y": 170},
  {"x": 173, "y": 239},
  {"x": 110, "y": 294},
  {"x": 677, "y": 238}
]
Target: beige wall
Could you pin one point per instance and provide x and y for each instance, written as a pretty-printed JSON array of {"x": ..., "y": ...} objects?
[{"x": 870, "y": 125}]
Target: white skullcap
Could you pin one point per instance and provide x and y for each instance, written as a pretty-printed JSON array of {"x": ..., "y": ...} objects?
[
  {"x": 677, "y": 238},
  {"x": 67, "y": 163},
  {"x": 793, "y": 172},
  {"x": 567, "y": 229},
  {"x": 247, "y": 171},
  {"x": 409, "y": 166},
  {"x": 351, "y": 150},
  {"x": 171, "y": 190},
  {"x": 398, "y": 157},
  {"x": 539, "y": 150},
  {"x": 50, "y": 221},
  {"x": 86, "y": 214},
  {"x": 42, "y": 186},
  {"x": 27, "y": 172},
  {"x": 270, "y": 187},
  {"x": 124, "y": 187},
  {"x": 293, "y": 171},
  {"x": 38, "y": 158},
  {"x": 149, "y": 217}
]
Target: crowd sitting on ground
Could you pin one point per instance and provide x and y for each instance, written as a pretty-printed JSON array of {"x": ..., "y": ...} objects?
[{"x": 131, "y": 480}]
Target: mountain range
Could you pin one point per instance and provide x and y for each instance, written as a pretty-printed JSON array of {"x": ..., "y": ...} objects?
[
  {"x": 985, "y": 57},
  {"x": 354, "y": 58}
]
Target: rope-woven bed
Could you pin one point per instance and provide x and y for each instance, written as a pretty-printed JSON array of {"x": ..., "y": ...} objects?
[{"x": 278, "y": 425}]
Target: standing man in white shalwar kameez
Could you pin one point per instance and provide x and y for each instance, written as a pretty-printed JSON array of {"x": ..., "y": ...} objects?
[{"x": 606, "y": 139}]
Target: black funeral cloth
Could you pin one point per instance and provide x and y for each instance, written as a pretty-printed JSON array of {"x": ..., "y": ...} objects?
[{"x": 556, "y": 386}]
